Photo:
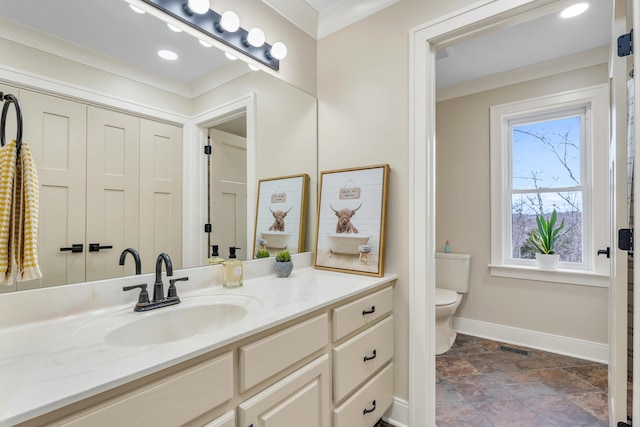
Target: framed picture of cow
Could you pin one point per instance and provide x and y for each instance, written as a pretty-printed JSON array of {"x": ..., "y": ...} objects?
[
  {"x": 281, "y": 214},
  {"x": 352, "y": 213}
]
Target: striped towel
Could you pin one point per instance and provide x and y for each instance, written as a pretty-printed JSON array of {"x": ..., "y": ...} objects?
[{"x": 19, "y": 243}]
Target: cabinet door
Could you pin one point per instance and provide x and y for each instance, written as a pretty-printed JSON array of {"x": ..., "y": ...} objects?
[
  {"x": 55, "y": 130},
  {"x": 301, "y": 399},
  {"x": 160, "y": 193},
  {"x": 113, "y": 189}
]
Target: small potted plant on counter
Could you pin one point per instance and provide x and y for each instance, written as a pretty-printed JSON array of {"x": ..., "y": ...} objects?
[
  {"x": 283, "y": 264},
  {"x": 544, "y": 239},
  {"x": 262, "y": 253}
]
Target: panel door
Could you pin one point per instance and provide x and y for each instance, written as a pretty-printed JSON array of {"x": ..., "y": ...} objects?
[
  {"x": 160, "y": 193},
  {"x": 301, "y": 399},
  {"x": 55, "y": 130},
  {"x": 113, "y": 190},
  {"x": 229, "y": 192}
]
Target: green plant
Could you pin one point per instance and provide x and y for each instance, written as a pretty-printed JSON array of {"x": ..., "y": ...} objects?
[
  {"x": 544, "y": 238},
  {"x": 283, "y": 256},
  {"x": 262, "y": 253}
]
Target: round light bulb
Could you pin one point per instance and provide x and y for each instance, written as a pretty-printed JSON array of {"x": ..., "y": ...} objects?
[
  {"x": 229, "y": 21},
  {"x": 575, "y": 10},
  {"x": 168, "y": 55},
  {"x": 278, "y": 50},
  {"x": 174, "y": 28},
  {"x": 256, "y": 37},
  {"x": 198, "y": 6},
  {"x": 253, "y": 67},
  {"x": 136, "y": 9},
  {"x": 229, "y": 56},
  {"x": 204, "y": 43}
]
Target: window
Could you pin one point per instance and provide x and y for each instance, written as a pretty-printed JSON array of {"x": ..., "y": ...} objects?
[{"x": 551, "y": 153}]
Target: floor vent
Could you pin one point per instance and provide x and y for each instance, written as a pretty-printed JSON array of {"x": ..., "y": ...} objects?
[{"x": 513, "y": 350}]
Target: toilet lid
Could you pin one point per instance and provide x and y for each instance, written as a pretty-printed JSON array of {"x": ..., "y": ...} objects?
[{"x": 445, "y": 296}]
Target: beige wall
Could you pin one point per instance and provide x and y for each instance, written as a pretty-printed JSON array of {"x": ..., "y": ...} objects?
[
  {"x": 463, "y": 217},
  {"x": 363, "y": 107}
]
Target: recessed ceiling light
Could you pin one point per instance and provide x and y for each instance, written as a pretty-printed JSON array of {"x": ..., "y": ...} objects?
[
  {"x": 168, "y": 55},
  {"x": 204, "y": 43},
  {"x": 136, "y": 9},
  {"x": 575, "y": 10},
  {"x": 174, "y": 28},
  {"x": 253, "y": 67},
  {"x": 231, "y": 57}
]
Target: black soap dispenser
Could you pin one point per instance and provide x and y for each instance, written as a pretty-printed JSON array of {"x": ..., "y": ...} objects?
[
  {"x": 215, "y": 259},
  {"x": 232, "y": 277}
]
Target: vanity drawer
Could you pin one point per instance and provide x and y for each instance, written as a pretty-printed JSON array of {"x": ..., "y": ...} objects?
[
  {"x": 168, "y": 402},
  {"x": 349, "y": 365},
  {"x": 262, "y": 359},
  {"x": 362, "y": 312},
  {"x": 368, "y": 405}
]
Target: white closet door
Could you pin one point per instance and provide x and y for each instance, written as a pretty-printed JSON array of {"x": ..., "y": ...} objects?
[
  {"x": 229, "y": 192},
  {"x": 160, "y": 193},
  {"x": 113, "y": 190},
  {"x": 55, "y": 130}
]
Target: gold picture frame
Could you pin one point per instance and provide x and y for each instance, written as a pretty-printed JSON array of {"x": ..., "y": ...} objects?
[
  {"x": 281, "y": 214},
  {"x": 352, "y": 213}
]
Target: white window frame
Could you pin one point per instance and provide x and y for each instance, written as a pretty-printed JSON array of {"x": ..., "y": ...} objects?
[{"x": 593, "y": 271}]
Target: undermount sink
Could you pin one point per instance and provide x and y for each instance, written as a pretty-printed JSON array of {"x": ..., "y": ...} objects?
[{"x": 207, "y": 315}]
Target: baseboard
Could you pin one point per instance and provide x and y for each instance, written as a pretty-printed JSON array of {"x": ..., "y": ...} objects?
[
  {"x": 539, "y": 340},
  {"x": 398, "y": 414}
]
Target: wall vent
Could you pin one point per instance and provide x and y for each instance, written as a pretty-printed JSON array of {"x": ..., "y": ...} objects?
[
  {"x": 443, "y": 54},
  {"x": 513, "y": 350}
]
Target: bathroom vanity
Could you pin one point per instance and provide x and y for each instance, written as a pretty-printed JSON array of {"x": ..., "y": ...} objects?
[{"x": 314, "y": 349}]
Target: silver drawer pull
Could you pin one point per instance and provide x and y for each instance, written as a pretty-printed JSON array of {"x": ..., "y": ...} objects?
[
  {"x": 366, "y": 411},
  {"x": 373, "y": 310},
  {"x": 372, "y": 357}
]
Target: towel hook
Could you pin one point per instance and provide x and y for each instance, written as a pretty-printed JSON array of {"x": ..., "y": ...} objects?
[{"x": 10, "y": 99}]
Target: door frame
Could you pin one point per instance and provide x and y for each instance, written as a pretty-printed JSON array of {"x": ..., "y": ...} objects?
[{"x": 422, "y": 167}]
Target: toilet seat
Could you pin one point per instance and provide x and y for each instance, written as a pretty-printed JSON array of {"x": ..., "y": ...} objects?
[{"x": 445, "y": 297}]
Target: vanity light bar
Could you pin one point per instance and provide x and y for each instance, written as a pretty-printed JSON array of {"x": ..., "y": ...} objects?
[{"x": 207, "y": 23}]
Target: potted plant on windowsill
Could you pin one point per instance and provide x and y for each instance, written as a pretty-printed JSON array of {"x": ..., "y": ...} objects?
[
  {"x": 544, "y": 239},
  {"x": 283, "y": 265}
]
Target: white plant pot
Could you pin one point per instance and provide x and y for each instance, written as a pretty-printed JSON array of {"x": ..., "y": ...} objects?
[{"x": 548, "y": 261}]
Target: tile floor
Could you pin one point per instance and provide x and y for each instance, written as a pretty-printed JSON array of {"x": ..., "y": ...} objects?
[{"x": 478, "y": 385}]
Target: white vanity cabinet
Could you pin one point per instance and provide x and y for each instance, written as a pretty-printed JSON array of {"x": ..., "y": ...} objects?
[{"x": 332, "y": 366}]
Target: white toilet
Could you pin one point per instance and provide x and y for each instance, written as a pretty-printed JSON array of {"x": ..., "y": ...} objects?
[{"x": 452, "y": 281}]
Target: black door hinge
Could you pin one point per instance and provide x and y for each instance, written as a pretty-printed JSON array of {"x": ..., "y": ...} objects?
[
  {"x": 207, "y": 228},
  {"x": 625, "y": 44},
  {"x": 625, "y": 239},
  {"x": 207, "y": 150}
]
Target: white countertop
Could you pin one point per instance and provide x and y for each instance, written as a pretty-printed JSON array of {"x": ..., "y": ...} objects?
[{"x": 60, "y": 357}]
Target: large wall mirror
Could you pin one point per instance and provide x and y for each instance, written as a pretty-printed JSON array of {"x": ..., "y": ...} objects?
[{"x": 87, "y": 54}]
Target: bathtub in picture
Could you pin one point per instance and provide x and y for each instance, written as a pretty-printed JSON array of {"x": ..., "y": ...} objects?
[
  {"x": 346, "y": 243},
  {"x": 276, "y": 239}
]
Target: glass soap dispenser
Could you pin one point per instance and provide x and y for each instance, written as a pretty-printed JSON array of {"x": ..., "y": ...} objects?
[
  {"x": 215, "y": 259},
  {"x": 232, "y": 276}
]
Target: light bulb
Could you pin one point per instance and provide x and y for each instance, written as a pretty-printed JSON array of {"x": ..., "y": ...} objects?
[
  {"x": 204, "y": 43},
  {"x": 278, "y": 50},
  {"x": 136, "y": 9},
  {"x": 174, "y": 28},
  {"x": 168, "y": 55},
  {"x": 256, "y": 37},
  {"x": 198, "y": 6},
  {"x": 575, "y": 10},
  {"x": 229, "y": 56},
  {"x": 229, "y": 21},
  {"x": 253, "y": 67}
]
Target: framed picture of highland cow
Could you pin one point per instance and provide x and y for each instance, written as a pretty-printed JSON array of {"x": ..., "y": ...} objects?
[
  {"x": 281, "y": 214},
  {"x": 352, "y": 212}
]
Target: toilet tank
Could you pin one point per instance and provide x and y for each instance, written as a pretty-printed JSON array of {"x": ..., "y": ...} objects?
[{"x": 452, "y": 271}]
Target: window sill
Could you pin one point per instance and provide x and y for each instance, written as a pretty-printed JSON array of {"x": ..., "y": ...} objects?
[{"x": 572, "y": 277}]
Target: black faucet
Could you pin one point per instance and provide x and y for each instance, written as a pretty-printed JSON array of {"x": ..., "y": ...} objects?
[
  {"x": 136, "y": 258},
  {"x": 158, "y": 287},
  {"x": 159, "y": 300}
]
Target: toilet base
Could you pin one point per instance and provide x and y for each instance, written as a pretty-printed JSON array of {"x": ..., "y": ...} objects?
[{"x": 445, "y": 334}]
